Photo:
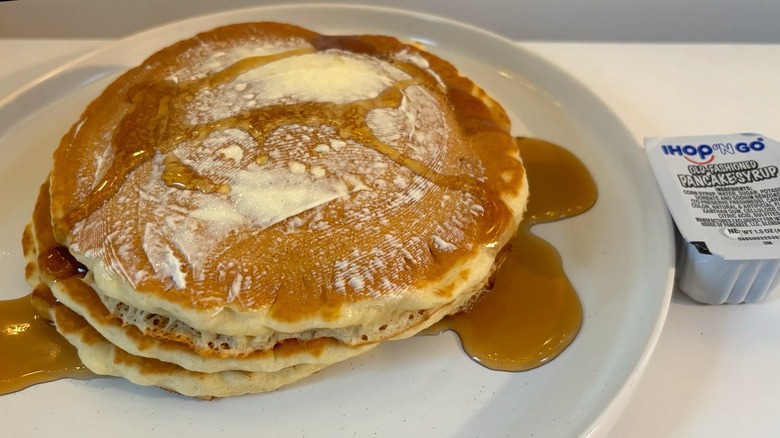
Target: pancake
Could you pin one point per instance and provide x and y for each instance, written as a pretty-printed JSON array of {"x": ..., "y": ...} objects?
[
  {"x": 261, "y": 198},
  {"x": 102, "y": 357},
  {"x": 75, "y": 293}
]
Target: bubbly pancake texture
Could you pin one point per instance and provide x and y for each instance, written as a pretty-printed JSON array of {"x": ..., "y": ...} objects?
[
  {"x": 109, "y": 347},
  {"x": 261, "y": 197}
]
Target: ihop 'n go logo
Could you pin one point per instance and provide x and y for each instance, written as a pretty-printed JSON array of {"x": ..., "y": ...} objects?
[{"x": 705, "y": 153}]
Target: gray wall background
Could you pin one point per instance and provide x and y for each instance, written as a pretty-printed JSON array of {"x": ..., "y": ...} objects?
[{"x": 552, "y": 20}]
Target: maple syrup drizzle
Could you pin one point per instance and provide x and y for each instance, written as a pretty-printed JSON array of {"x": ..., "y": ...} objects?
[
  {"x": 183, "y": 176},
  {"x": 60, "y": 263},
  {"x": 532, "y": 312},
  {"x": 32, "y": 350}
]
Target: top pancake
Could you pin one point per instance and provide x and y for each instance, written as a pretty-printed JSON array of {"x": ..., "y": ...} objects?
[{"x": 262, "y": 177}]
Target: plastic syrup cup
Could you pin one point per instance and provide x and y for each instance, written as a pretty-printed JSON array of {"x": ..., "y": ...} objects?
[{"x": 723, "y": 192}]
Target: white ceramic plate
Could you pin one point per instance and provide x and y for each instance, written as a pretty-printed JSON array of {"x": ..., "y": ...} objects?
[{"x": 619, "y": 257}]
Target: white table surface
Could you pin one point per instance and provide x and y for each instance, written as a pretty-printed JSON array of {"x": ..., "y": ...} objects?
[{"x": 716, "y": 369}]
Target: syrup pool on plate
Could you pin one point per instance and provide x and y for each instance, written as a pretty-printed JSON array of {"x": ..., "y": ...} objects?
[
  {"x": 532, "y": 312},
  {"x": 32, "y": 350}
]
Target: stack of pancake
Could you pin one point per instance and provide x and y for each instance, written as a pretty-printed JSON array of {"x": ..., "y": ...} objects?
[{"x": 260, "y": 201}]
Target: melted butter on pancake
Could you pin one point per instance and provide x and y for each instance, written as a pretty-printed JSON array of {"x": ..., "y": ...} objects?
[{"x": 247, "y": 201}]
